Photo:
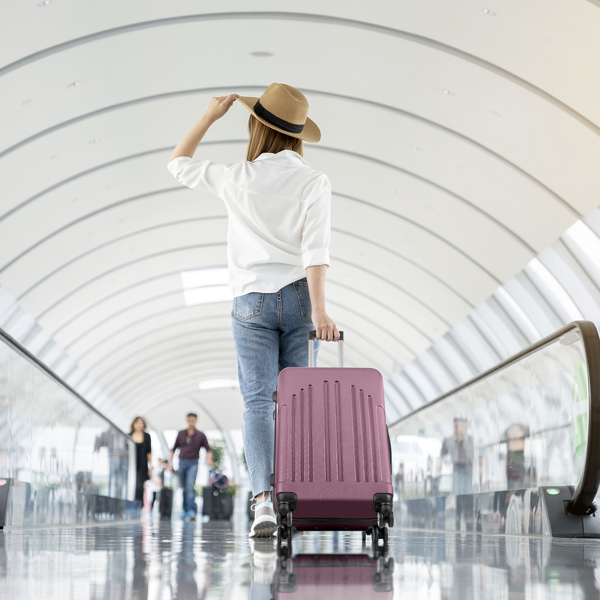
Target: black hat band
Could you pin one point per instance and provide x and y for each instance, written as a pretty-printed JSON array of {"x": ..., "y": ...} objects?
[{"x": 270, "y": 118}]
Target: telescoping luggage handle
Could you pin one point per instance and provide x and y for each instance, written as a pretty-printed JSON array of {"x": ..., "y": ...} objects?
[{"x": 312, "y": 336}]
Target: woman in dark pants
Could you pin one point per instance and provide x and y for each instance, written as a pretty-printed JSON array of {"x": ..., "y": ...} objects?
[{"x": 143, "y": 447}]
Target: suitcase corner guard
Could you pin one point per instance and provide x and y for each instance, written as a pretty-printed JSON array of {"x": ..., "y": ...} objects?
[{"x": 287, "y": 502}]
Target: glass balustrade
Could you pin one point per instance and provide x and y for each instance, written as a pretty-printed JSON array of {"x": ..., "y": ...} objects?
[
  {"x": 53, "y": 445},
  {"x": 527, "y": 423}
]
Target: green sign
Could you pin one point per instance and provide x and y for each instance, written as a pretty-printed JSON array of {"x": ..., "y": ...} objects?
[{"x": 579, "y": 409}]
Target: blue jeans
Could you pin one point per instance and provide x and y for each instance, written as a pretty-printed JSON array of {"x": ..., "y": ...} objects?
[
  {"x": 270, "y": 334},
  {"x": 188, "y": 469}
]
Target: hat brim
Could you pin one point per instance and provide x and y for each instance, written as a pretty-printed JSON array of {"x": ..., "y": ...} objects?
[{"x": 310, "y": 132}]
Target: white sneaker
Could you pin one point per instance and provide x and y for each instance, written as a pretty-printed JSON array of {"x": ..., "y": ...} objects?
[{"x": 265, "y": 523}]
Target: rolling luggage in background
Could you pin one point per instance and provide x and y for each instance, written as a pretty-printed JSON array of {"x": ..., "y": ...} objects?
[
  {"x": 334, "y": 576},
  {"x": 165, "y": 502},
  {"x": 216, "y": 503},
  {"x": 332, "y": 466}
]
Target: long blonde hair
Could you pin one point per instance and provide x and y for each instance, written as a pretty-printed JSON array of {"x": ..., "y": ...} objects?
[{"x": 264, "y": 139}]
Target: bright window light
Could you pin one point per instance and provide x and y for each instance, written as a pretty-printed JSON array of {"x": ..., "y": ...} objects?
[
  {"x": 556, "y": 289},
  {"x": 213, "y": 384},
  {"x": 586, "y": 239},
  {"x": 205, "y": 286},
  {"x": 204, "y": 277},
  {"x": 512, "y": 306},
  {"x": 206, "y": 295}
]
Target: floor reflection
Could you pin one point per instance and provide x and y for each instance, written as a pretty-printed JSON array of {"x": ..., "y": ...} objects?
[{"x": 173, "y": 560}]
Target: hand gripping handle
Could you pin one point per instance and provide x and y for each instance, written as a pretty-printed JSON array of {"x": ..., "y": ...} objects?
[{"x": 312, "y": 336}]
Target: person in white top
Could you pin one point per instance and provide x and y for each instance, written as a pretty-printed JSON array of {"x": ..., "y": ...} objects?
[{"x": 278, "y": 253}]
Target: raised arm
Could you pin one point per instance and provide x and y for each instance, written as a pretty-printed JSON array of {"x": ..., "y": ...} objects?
[{"x": 216, "y": 108}]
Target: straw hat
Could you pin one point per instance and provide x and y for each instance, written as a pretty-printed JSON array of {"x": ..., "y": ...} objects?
[{"x": 284, "y": 109}]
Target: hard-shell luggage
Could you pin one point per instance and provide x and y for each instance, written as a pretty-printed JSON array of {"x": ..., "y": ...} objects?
[
  {"x": 165, "y": 502},
  {"x": 332, "y": 460},
  {"x": 217, "y": 504},
  {"x": 334, "y": 576}
]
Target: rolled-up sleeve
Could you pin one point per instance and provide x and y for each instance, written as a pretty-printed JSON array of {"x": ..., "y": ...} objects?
[
  {"x": 202, "y": 175},
  {"x": 316, "y": 231}
]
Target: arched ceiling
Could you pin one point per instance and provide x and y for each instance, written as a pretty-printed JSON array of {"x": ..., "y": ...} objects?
[{"x": 461, "y": 140}]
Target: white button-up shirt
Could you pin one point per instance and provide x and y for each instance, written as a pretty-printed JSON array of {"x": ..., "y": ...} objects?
[{"x": 279, "y": 216}]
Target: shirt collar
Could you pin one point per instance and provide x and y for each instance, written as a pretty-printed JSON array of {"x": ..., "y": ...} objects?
[{"x": 283, "y": 156}]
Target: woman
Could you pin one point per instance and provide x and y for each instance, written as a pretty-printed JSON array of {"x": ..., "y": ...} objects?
[
  {"x": 278, "y": 254},
  {"x": 143, "y": 448}
]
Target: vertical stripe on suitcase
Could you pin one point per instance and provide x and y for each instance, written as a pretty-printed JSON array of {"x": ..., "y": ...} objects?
[
  {"x": 365, "y": 435},
  {"x": 310, "y": 433},
  {"x": 338, "y": 431},
  {"x": 355, "y": 434}
]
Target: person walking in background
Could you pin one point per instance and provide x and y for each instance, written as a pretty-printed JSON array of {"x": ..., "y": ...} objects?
[
  {"x": 515, "y": 437},
  {"x": 190, "y": 441},
  {"x": 459, "y": 448},
  {"x": 118, "y": 456},
  {"x": 158, "y": 480},
  {"x": 278, "y": 253},
  {"x": 143, "y": 447}
]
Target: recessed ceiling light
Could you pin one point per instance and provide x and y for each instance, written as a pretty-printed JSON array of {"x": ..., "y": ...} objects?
[
  {"x": 44, "y": 2},
  {"x": 74, "y": 84},
  {"x": 487, "y": 11},
  {"x": 418, "y": 149},
  {"x": 449, "y": 92},
  {"x": 95, "y": 141},
  {"x": 261, "y": 54},
  {"x": 205, "y": 286}
]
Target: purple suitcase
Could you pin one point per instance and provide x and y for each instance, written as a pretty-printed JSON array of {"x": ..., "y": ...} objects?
[{"x": 332, "y": 454}]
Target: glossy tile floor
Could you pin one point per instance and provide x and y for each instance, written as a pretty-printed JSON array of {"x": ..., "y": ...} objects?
[{"x": 159, "y": 560}]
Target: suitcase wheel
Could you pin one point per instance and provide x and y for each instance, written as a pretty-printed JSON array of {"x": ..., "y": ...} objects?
[
  {"x": 284, "y": 533},
  {"x": 375, "y": 537},
  {"x": 379, "y": 533}
]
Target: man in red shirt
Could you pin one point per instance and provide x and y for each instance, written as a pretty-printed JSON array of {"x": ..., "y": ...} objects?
[{"x": 189, "y": 441}]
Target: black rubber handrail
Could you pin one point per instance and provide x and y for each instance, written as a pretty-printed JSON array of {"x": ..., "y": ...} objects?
[
  {"x": 10, "y": 341},
  {"x": 582, "y": 501}
]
